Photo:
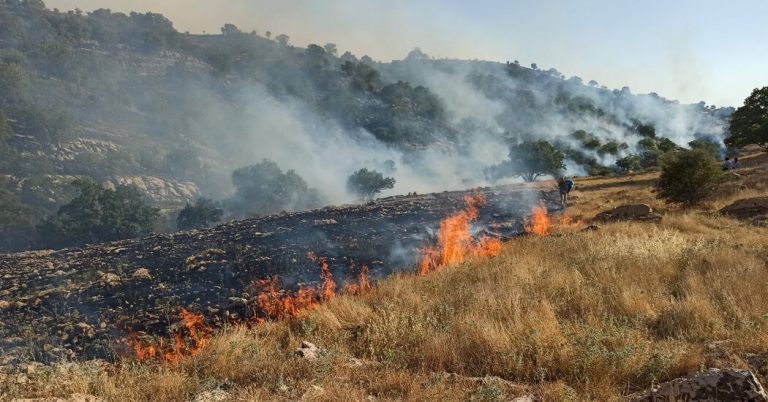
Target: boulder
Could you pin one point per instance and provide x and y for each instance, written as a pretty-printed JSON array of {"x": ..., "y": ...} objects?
[
  {"x": 747, "y": 208},
  {"x": 308, "y": 351},
  {"x": 713, "y": 385},
  {"x": 633, "y": 212}
]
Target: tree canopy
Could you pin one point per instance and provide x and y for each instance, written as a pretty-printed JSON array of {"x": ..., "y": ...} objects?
[
  {"x": 749, "y": 123},
  {"x": 689, "y": 177},
  {"x": 530, "y": 160},
  {"x": 98, "y": 214},
  {"x": 201, "y": 214},
  {"x": 367, "y": 183}
]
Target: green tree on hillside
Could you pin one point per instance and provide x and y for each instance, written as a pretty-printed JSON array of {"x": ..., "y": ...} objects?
[
  {"x": 98, "y": 214},
  {"x": 749, "y": 124},
  {"x": 367, "y": 183},
  {"x": 202, "y": 214},
  {"x": 689, "y": 177},
  {"x": 263, "y": 188},
  {"x": 529, "y": 160}
]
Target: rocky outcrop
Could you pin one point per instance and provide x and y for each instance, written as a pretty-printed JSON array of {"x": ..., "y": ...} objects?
[
  {"x": 160, "y": 191},
  {"x": 634, "y": 212},
  {"x": 748, "y": 208},
  {"x": 725, "y": 385}
]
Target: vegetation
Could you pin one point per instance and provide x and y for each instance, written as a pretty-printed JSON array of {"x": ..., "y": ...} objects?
[
  {"x": 367, "y": 183},
  {"x": 263, "y": 188},
  {"x": 629, "y": 164},
  {"x": 689, "y": 177},
  {"x": 97, "y": 214},
  {"x": 204, "y": 213},
  {"x": 749, "y": 124},
  {"x": 530, "y": 160}
]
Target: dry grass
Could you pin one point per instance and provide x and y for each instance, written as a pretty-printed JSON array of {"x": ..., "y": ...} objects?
[{"x": 584, "y": 316}]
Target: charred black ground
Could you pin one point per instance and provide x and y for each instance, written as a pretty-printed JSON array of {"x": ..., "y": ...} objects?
[{"x": 82, "y": 302}]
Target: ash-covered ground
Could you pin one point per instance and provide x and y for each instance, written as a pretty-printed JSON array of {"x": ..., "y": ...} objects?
[{"x": 83, "y": 302}]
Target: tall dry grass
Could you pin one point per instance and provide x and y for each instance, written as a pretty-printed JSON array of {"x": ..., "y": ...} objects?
[{"x": 585, "y": 316}]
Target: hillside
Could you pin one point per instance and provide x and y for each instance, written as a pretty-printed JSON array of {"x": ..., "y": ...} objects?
[
  {"x": 573, "y": 314},
  {"x": 127, "y": 99}
]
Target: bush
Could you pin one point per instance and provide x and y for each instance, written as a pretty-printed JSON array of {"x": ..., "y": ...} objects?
[
  {"x": 203, "y": 214},
  {"x": 689, "y": 177},
  {"x": 367, "y": 183},
  {"x": 630, "y": 163}
]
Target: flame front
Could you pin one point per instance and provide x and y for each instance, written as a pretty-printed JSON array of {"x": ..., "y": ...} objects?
[
  {"x": 454, "y": 239},
  {"x": 539, "y": 224},
  {"x": 187, "y": 340}
]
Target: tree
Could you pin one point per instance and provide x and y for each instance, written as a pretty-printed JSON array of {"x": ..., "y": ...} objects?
[
  {"x": 230, "y": 29},
  {"x": 98, "y": 214},
  {"x": 749, "y": 123},
  {"x": 529, "y": 160},
  {"x": 630, "y": 163},
  {"x": 204, "y": 213},
  {"x": 283, "y": 39},
  {"x": 706, "y": 145},
  {"x": 367, "y": 183},
  {"x": 331, "y": 49},
  {"x": 689, "y": 177},
  {"x": 263, "y": 188}
]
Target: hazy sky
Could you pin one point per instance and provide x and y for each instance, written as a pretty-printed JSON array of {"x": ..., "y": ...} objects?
[{"x": 689, "y": 50}]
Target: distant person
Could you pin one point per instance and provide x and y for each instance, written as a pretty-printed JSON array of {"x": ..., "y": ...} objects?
[
  {"x": 564, "y": 185},
  {"x": 736, "y": 163},
  {"x": 727, "y": 165}
]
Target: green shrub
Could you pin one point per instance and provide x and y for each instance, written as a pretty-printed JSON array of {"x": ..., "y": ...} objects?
[{"x": 689, "y": 177}]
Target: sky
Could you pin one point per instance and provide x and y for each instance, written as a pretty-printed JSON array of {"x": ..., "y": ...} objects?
[{"x": 688, "y": 50}]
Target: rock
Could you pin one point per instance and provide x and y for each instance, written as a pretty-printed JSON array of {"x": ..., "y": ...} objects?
[
  {"x": 747, "y": 208},
  {"x": 110, "y": 279},
  {"x": 217, "y": 395},
  {"x": 759, "y": 364},
  {"x": 142, "y": 274},
  {"x": 323, "y": 222},
  {"x": 633, "y": 212},
  {"x": 712, "y": 385},
  {"x": 308, "y": 351},
  {"x": 4, "y": 305}
]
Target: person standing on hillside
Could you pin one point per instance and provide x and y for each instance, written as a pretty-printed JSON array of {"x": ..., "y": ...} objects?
[{"x": 564, "y": 185}]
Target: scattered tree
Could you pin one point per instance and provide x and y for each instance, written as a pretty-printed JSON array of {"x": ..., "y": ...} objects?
[
  {"x": 689, "y": 177},
  {"x": 263, "y": 188},
  {"x": 98, "y": 214},
  {"x": 204, "y": 213},
  {"x": 529, "y": 160},
  {"x": 230, "y": 29},
  {"x": 707, "y": 146},
  {"x": 630, "y": 163},
  {"x": 749, "y": 123},
  {"x": 367, "y": 183},
  {"x": 283, "y": 39}
]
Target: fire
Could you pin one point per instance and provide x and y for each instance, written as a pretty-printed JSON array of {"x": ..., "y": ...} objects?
[
  {"x": 363, "y": 283},
  {"x": 276, "y": 304},
  {"x": 539, "y": 224},
  {"x": 454, "y": 239},
  {"x": 188, "y": 340}
]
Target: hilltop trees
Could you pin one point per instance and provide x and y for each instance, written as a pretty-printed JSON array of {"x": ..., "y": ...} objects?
[
  {"x": 749, "y": 124},
  {"x": 529, "y": 160},
  {"x": 689, "y": 177},
  {"x": 98, "y": 214},
  {"x": 367, "y": 183}
]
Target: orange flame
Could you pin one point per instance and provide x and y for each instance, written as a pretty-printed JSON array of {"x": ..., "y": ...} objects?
[
  {"x": 454, "y": 239},
  {"x": 539, "y": 224},
  {"x": 276, "y": 304},
  {"x": 363, "y": 283},
  {"x": 197, "y": 337}
]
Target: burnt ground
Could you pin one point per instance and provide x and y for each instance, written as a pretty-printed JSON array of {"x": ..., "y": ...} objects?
[{"x": 82, "y": 302}]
